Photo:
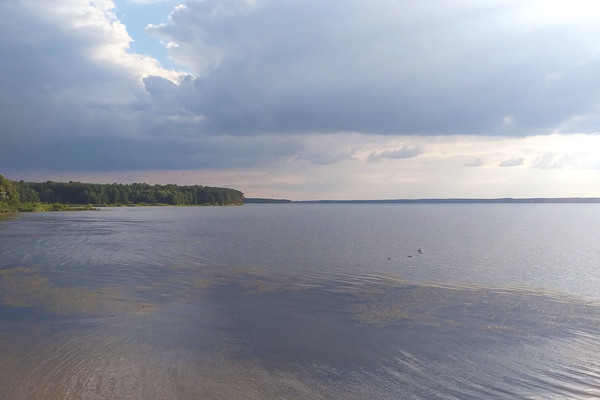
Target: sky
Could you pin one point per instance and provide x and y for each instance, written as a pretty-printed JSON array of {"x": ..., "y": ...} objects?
[{"x": 305, "y": 100}]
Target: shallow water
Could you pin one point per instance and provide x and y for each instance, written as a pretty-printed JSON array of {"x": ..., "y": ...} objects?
[{"x": 301, "y": 301}]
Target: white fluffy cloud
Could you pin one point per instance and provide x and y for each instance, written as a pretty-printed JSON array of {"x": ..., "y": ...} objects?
[{"x": 67, "y": 79}]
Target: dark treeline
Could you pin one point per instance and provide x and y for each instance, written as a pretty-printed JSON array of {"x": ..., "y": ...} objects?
[
  {"x": 136, "y": 193},
  {"x": 118, "y": 194}
]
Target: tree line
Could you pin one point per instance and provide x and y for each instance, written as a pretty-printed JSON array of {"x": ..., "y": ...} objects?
[{"x": 12, "y": 192}]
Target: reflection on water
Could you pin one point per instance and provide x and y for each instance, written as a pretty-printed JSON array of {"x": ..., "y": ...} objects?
[
  {"x": 242, "y": 333},
  {"x": 161, "y": 305},
  {"x": 23, "y": 287}
]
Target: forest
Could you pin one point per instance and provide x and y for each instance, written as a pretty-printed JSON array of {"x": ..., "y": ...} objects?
[{"x": 26, "y": 196}]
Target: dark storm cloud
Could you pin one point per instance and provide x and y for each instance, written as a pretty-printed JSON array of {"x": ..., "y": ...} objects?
[
  {"x": 380, "y": 67},
  {"x": 51, "y": 83},
  {"x": 159, "y": 152},
  {"x": 272, "y": 76}
]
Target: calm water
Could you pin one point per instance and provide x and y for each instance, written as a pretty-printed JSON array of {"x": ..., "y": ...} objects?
[{"x": 302, "y": 302}]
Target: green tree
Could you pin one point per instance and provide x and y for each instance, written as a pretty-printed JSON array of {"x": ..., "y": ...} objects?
[
  {"x": 26, "y": 193},
  {"x": 84, "y": 193},
  {"x": 8, "y": 193}
]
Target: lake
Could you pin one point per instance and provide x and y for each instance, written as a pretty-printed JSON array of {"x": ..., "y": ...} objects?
[{"x": 302, "y": 301}]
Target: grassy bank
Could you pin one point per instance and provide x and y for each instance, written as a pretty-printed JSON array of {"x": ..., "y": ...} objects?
[{"x": 41, "y": 207}]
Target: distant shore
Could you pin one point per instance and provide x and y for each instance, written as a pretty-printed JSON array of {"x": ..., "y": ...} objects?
[{"x": 548, "y": 200}]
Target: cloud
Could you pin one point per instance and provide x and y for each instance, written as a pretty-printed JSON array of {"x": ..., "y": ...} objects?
[
  {"x": 403, "y": 152},
  {"x": 300, "y": 88},
  {"x": 507, "y": 121},
  {"x": 69, "y": 86},
  {"x": 67, "y": 72},
  {"x": 582, "y": 159},
  {"x": 478, "y": 162},
  {"x": 512, "y": 162},
  {"x": 379, "y": 67},
  {"x": 549, "y": 160},
  {"x": 382, "y": 67},
  {"x": 288, "y": 166},
  {"x": 109, "y": 153}
]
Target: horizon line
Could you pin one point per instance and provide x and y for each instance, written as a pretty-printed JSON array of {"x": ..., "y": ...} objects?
[{"x": 441, "y": 200}]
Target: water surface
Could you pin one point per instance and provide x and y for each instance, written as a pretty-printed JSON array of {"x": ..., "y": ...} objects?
[{"x": 302, "y": 301}]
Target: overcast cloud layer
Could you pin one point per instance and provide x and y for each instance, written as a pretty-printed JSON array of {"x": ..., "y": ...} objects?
[
  {"x": 318, "y": 93},
  {"x": 389, "y": 67}
]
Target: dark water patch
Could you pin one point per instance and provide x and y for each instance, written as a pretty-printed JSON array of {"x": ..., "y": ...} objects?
[
  {"x": 291, "y": 329},
  {"x": 470, "y": 342}
]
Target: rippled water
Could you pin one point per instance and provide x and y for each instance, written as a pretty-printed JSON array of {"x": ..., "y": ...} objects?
[{"x": 302, "y": 301}]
